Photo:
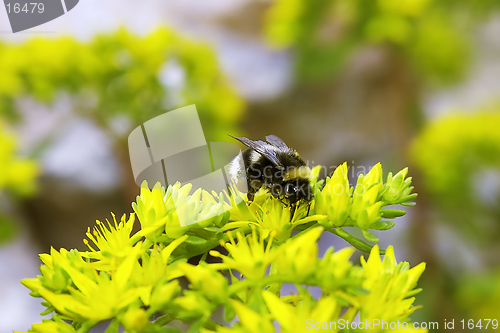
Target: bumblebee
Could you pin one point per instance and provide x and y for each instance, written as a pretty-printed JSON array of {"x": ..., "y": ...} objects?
[{"x": 274, "y": 166}]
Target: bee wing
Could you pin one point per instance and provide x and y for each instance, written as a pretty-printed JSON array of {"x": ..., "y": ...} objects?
[
  {"x": 277, "y": 142},
  {"x": 262, "y": 148}
]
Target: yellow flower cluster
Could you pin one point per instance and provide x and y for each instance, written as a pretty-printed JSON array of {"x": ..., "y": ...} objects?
[
  {"x": 131, "y": 277},
  {"x": 361, "y": 206}
]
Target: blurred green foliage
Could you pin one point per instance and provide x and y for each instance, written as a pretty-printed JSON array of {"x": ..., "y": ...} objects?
[
  {"x": 458, "y": 157},
  {"x": 478, "y": 296},
  {"x": 431, "y": 36},
  {"x": 17, "y": 177},
  {"x": 16, "y": 173},
  {"x": 111, "y": 76},
  {"x": 7, "y": 229},
  {"x": 452, "y": 154},
  {"x": 121, "y": 74}
]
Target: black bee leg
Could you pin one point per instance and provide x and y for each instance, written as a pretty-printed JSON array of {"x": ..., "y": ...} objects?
[
  {"x": 253, "y": 186},
  {"x": 292, "y": 210},
  {"x": 308, "y": 208},
  {"x": 284, "y": 203},
  {"x": 250, "y": 196}
]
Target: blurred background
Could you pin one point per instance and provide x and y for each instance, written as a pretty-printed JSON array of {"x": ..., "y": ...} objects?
[{"x": 405, "y": 82}]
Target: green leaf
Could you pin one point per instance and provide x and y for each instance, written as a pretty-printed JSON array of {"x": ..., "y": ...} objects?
[
  {"x": 162, "y": 239},
  {"x": 408, "y": 198},
  {"x": 392, "y": 213},
  {"x": 310, "y": 219},
  {"x": 196, "y": 241},
  {"x": 413, "y": 292},
  {"x": 238, "y": 224},
  {"x": 113, "y": 327},
  {"x": 383, "y": 225},
  {"x": 47, "y": 311},
  {"x": 170, "y": 330},
  {"x": 214, "y": 229},
  {"x": 356, "y": 242},
  {"x": 229, "y": 313},
  {"x": 369, "y": 236}
]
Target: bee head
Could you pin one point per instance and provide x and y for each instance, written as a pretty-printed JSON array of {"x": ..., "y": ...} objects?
[{"x": 293, "y": 190}]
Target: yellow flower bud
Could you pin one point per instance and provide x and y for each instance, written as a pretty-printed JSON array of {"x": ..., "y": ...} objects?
[
  {"x": 210, "y": 282},
  {"x": 300, "y": 255},
  {"x": 335, "y": 198},
  {"x": 163, "y": 293},
  {"x": 135, "y": 320}
]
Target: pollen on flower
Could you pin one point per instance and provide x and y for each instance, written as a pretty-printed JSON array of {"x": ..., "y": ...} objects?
[
  {"x": 86, "y": 242},
  {"x": 110, "y": 241}
]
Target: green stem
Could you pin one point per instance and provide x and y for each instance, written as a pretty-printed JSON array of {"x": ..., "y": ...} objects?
[
  {"x": 274, "y": 287},
  {"x": 350, "y": 313},
  {"x": 315, "y": 225},
  {"x": 356, "y": 242},
  {"x": 86, "y": 326},
  {"x": 213, "y": 243},
  {"x": 164, "y": 320},
  {"x": 211, "y": 325}
]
